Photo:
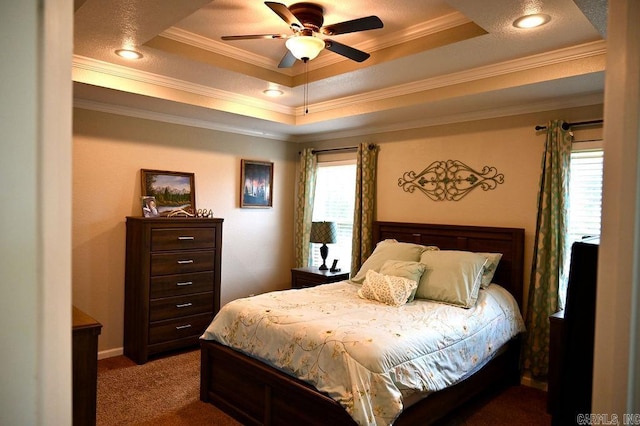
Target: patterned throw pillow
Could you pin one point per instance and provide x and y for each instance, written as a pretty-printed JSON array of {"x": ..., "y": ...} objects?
[{"x": 393, "y": 291}]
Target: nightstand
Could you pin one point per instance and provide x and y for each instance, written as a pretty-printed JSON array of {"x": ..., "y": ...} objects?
[{"x": 312, "y": 276}]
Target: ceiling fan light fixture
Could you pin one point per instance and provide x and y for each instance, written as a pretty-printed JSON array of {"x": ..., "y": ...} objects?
[
  {"x": 531, "y": 21},
  {"x": 305, "y": 47}
]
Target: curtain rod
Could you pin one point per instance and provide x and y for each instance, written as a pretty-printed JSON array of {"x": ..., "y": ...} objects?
[
  {"x": 345, "y": 148},
  {"x": 567, "y": 126}
]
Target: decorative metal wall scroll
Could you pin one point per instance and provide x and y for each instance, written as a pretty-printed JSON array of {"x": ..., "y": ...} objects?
[{"x": 450, "y": 180}]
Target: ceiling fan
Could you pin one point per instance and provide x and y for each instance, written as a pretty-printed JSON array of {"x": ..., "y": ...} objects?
[{"x": 305, "y": 20}]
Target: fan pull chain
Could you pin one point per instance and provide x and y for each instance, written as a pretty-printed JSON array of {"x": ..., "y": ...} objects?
[{"x": 306, "y": 87}]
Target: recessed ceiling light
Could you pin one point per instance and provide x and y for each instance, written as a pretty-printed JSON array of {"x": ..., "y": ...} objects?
[
  {"x": 274, "y": 93},
  {"x": 531, "y": 21},
  {"x": 128, "y": 54}
]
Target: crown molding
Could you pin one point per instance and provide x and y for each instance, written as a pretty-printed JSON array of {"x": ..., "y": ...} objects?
[
  {"x": 560, "y": 56},
  {"x": 423, "y": 29},
  {"x": 173, "y": 119},
  {"x": 225, "y": 49},
  {"x": 531, "y": 62},
  {"x": 526, "y": 108},
  {"x": 414, "y": 32},
  {"x": 101, "y": 67}
]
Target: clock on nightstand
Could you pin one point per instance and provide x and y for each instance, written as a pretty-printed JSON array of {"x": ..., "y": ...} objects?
[{"x": 312, "y": 276}]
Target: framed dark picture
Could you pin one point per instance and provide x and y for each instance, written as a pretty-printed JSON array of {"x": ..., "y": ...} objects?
[
  {"x": 173, "y": 191},
  {"x": 256, "y": 184}
]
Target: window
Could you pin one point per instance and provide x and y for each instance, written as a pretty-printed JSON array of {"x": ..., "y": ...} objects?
[
  {"x": 585, "y": 201},
  {"x": 334, "y": 202},
  {"x": 585, "y": 194}
]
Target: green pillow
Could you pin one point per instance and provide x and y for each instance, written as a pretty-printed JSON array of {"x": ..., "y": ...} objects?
[
  {"x": 405, "y": 269},
  {"x": 388, "y": 250},
  {"x": 490, "y": 267},
  {"x": 451, "y": 277}
]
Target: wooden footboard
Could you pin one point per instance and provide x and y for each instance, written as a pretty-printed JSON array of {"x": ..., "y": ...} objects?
[{"x": 257, "y": 394}]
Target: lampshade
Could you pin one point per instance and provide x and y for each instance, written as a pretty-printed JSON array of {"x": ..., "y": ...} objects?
[
  {"x": 324, "y": 232},
  {"x": 305, "y": 47}
]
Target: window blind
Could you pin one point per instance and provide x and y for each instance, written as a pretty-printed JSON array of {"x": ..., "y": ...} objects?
[
  {"x": 585, "y": 194},
  {"x": 334, "y": 202}
]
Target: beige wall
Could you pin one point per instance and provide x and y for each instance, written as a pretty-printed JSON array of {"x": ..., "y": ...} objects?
[
  {"x": 109, "y": 151},
  {"x": 509, "y": 144}
]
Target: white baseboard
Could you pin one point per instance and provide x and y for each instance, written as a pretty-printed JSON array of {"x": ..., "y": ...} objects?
[{"x": 110, "y": 353}]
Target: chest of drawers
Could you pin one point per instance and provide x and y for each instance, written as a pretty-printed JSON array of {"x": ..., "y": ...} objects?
[{"x": 172, "y": 283}]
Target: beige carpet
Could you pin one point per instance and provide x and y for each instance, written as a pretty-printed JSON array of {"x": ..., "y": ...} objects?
[{"x": 165, "y": 392}]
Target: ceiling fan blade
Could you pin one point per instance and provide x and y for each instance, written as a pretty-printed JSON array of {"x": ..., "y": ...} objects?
[
  {"x": 360, "y": 24},
  {"x": 254, "y": 36},
  {"x": 347, "y": 51},
  {"x": 284, "y": 13},
  {"x": 287, "y": 60}
]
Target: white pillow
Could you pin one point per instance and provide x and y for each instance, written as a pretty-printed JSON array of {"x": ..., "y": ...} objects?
[
  {"x": 389, "y": 250},
  {"x": 451, "y": 277},
  {"x": 393, "y": 291},
  {"x": 490, "y": 267}
]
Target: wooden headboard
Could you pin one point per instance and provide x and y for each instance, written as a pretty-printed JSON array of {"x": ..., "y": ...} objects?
[{"x": 508, "y": 241}]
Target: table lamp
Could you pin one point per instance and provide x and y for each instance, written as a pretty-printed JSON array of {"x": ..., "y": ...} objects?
[{"x": 325, "y": 233}]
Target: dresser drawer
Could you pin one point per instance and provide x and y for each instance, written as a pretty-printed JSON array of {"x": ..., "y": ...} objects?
[
  {"x": 172, "y": 307},
  {"x": 181, "y": 262},
  {"x": 178, "y": 285},
  {"x": 178, "y": 328},
  {"x": 182, "y": 238}
]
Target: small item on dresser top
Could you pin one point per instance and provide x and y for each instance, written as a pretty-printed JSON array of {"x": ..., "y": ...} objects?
[
  {"x": 204, "y": 213},
  {"x": 149, "y": 207},
  {"x": 180, "y": 213}
]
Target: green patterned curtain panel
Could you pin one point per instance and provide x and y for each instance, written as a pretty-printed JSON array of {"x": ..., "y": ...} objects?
[
  {"x": 365, "y": 202},
  {"x": 548, "y": 250},
  {"x": 306, "y": 186}
]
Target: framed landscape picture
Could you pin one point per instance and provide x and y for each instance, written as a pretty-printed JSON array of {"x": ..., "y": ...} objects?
[
  {"x": 256, "y": 184},
  {"x": 171, "y": 190}
]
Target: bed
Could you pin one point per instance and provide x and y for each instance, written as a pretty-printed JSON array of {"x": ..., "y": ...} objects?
[{"x": 256, "y": 393}]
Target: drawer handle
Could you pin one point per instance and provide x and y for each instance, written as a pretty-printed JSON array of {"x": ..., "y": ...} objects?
[
  {"x": 182, "y": 327},
  {"x": 186, "y": 238},
  {"x": 184, "y": 305},
  {"x": 185, "y": 283},
  {"x": 185, "y": 262}
]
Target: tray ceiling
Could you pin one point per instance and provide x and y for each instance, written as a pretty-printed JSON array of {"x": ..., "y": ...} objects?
[{"x": 435, "y": 61}]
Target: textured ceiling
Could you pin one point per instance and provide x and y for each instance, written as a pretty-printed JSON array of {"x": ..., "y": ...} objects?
[{"x": 435, "y": 61}]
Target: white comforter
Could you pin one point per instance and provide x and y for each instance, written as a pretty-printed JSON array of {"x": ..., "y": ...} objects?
[{"x": 368, "y": 356}]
